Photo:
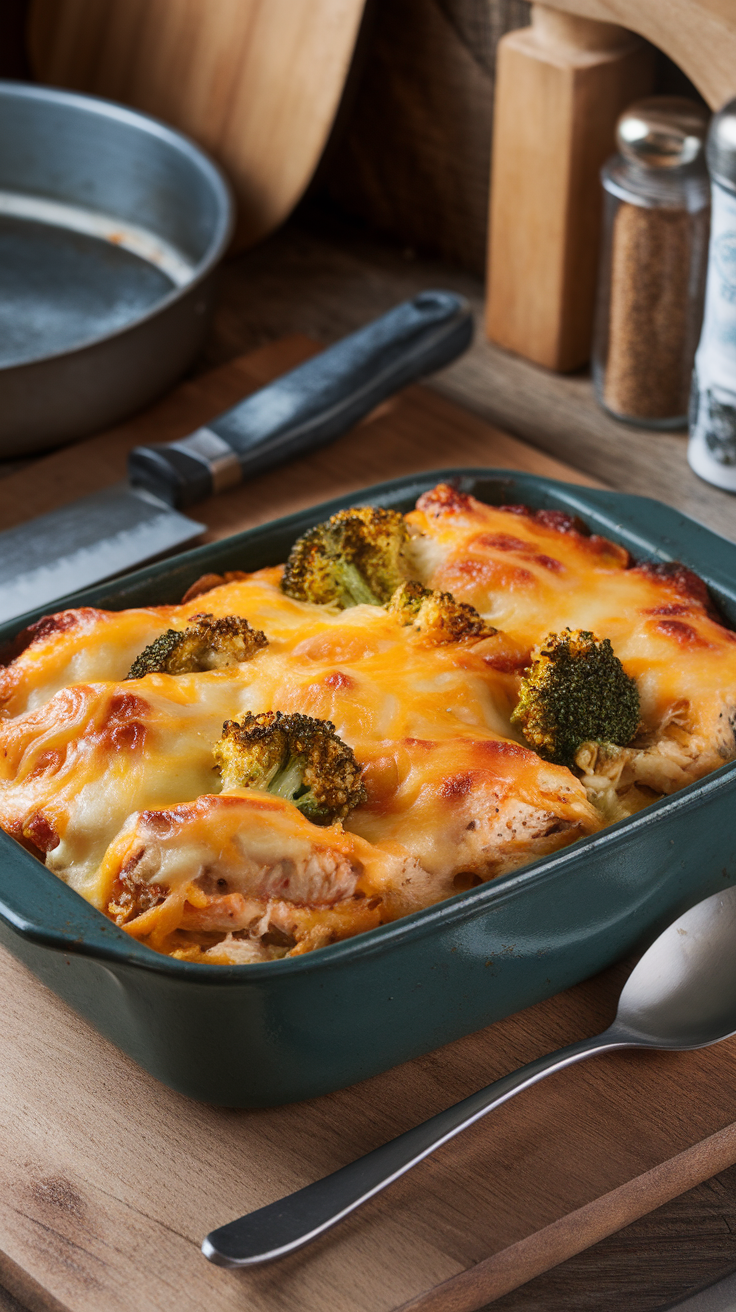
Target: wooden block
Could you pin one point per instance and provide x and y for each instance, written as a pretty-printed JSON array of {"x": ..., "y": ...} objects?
[{"x": 561, "y": 85}]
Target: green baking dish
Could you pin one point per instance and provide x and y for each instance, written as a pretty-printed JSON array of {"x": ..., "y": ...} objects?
[{"x": 261, "y": 1035}]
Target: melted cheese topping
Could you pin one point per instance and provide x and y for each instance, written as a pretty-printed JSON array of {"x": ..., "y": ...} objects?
[
  {"x": 535, "y": 574},
  {"x": 112, "y": 780}
]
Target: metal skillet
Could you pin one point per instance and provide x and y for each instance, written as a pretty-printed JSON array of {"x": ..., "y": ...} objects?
[{"x": 111, "y": 225}]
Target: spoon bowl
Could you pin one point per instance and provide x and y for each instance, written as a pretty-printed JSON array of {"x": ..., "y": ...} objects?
[{"x": 682, "y": 993}]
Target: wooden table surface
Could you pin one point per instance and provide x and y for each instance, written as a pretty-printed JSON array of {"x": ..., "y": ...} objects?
[{"x": 305, "y": 281}]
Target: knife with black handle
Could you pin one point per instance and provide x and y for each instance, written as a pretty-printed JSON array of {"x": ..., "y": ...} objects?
[
  {"x": 119, "y": 527},
  {"x": 311, "y": 405}
]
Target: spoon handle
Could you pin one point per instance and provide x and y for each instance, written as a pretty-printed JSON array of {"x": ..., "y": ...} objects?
[{"x": 298, "y": 1218}]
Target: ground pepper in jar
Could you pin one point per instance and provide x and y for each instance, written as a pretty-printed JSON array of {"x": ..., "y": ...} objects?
[{"x": 652, "y": 278}]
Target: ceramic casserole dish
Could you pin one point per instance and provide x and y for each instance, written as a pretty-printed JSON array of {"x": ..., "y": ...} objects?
[{"x": 274, "y": 1032}]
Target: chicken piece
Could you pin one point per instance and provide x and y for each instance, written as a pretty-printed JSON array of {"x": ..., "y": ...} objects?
[{"x": 244, "y": 875}]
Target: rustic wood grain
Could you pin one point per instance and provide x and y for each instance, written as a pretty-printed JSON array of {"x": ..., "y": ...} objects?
[
  {"x": 699, "y": 35},
  {"x": 256, "y": 82},
  {"x": 495, "y": 1276},
  {"x": 559, "y": 91},
  {"x": 108, "y": 1180},
  {"x": 669, "y": 1254},
  {"x": 418, "y": 430},
  {"x": 560, "y": 86},
  {"x": 427, "y": 89},
  {"x": 323, "y": 278}
]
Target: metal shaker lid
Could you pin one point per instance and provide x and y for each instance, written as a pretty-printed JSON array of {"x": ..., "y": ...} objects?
[
  {"x": 664, "y": 132},
  {"x": 721, "y": 148}
]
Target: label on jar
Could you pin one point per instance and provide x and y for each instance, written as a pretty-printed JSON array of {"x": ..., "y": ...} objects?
[{"x": 712, "y": 448}]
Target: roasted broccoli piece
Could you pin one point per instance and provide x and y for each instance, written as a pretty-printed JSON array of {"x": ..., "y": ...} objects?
[
  {"x": 207, "y": 644},
  {"x": 576, "y": 691},
  {"x": 293, "y": 756},
  {"x": 356, "y": 557},
  {"x": 437, "y": 615}
]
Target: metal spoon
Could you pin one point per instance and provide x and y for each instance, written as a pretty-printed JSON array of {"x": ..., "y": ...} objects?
[{"x": 681, "y": 995}]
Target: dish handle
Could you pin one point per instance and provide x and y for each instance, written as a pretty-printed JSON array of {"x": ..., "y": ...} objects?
[{"x": 48, "y": 912}]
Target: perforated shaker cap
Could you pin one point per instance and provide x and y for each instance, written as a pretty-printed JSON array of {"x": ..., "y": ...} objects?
[
  {"x": 721, "y": 148},
  {"x": 663, "y": 132}
]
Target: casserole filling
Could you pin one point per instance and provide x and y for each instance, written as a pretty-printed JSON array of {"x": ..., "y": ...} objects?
[{"x": 294, "y": 756}]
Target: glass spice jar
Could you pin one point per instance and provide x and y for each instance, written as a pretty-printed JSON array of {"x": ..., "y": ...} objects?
[
  {"x": 653, "y": 262},
  {"x": 712, "y": 446}
]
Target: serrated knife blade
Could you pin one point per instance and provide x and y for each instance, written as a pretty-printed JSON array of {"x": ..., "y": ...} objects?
[{"x": 99, "y": 535}]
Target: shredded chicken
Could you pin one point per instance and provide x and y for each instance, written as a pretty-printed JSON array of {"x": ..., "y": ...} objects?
[{"x": 621, "y": 780}]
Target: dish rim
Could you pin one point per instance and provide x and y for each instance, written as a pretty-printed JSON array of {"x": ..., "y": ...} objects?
[{"x": 125, "y": 951}]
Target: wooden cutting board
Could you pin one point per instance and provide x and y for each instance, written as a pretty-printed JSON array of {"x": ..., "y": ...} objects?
[
  {"x": 256, "y": 82},
  {"x": 109, "y": 1181}
]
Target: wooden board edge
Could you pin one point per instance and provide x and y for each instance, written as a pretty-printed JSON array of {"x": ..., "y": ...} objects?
[
  {"x": 27, "y": 1291},
  {"x": 506, "y": 1270}
]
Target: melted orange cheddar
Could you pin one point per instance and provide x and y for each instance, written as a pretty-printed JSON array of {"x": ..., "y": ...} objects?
[
  {"x": 112, "y": 781},
  {"x": 535, "y": 573}
]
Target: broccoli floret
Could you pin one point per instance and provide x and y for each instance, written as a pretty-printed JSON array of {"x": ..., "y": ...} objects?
[
  {"x": 355, "y": 557},
  {"x": 437, "y": 615},
  {"x": 576, "y": 691},
  {"x": 293, "y": 756},
  {"x": 207, "y": 644}
]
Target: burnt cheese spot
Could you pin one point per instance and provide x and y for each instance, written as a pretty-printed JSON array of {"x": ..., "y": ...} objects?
[
  {"x": 458, "y": 785},
  {"x": 49, "y": 626},
  {"x": 49, "y": 762},
  {"x": 479, "y": 572},
  {"x": 559, "y": 521},
  {"x": 562, "y": 522},
  {"x": 609, "y": 555},
  {"x": 527, "y": 550},
  {"x": 445, "y": 500},
  {"x": 682, "y": 633},
  {"x": 121, "y": 730},
  {"x": 500, "y": 542},
  {"x": 497, "y": 748},
  {"x": 682, "y": 579},
  {"x": 340, "y": 681},
  {"x": 507, "y": 662},
  {"x": 39, "y": 830},
  {"x": 162, "y": 824}
]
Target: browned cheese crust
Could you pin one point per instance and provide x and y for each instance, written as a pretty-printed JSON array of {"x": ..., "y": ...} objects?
[{"x": 111, "y": 781}]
